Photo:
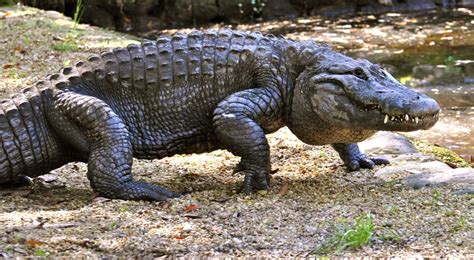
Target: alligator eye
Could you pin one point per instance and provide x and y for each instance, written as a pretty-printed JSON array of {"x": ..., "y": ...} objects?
[{"x": 358, "y": 72}]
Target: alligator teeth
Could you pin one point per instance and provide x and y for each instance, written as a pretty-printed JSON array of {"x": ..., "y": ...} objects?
[
  {"x": 407, "y": 118},
  {"x": 416, "y": 119},
  {"x": 385, "y": 120},
  {"x": 393, "y": 118}
]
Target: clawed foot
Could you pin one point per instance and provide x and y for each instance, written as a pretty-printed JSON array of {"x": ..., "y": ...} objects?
[
  {"x": 354, "y": 159},
  {"x": 254, "y": 180},
  {"x": 365, "y": 162},
  {"x": 135, "y": 190}
]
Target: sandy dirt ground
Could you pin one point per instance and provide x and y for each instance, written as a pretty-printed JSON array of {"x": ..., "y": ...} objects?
[{"x": 311, "y": 194}]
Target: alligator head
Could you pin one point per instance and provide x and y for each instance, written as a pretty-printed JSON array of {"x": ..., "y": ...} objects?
[{"x": 339, "y": 99}]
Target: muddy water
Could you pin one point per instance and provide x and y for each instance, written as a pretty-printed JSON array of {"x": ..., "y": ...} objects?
[{"x": 455, "y": 128}]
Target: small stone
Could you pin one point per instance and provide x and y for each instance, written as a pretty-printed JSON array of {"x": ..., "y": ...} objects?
[
  {"x": 187, "y": 226},
  {"x": 310, "y": 229},
  {"x": 48, "y": 178},
  {"x": 237, "y": 242}
]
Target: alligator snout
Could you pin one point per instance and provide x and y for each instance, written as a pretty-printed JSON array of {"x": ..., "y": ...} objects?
[
  {"x": 418, "y": 106},
  {"x": 424, "y": 105}
]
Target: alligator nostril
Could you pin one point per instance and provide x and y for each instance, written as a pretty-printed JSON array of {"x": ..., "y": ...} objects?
[{"x": 418, "y": 97}]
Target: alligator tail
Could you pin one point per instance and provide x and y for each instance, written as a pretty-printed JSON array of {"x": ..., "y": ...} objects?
[{"x": 27, "y": 145}]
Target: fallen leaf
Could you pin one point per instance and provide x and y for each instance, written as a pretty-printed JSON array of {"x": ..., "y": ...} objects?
[
  {"x": 190, "y": 208},
  {"x": 284, "y": 189},
  {"x": 179, "y": 237},
  {"x": 33, "y": 243},
  {"x": 7, "y": 66},
  {"x": 20, "y": 49}
]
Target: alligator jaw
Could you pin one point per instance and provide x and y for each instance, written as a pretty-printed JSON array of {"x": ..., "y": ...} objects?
[{"x": 404, "y": 122}]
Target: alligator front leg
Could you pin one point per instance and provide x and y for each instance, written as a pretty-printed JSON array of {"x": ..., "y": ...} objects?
[
  {"x": 354, "y": 159},
  {"x": 241, "y": 122},
  {"x": 91, "y": 126}
]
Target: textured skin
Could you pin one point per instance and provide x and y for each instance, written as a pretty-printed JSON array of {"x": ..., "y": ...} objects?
[{"x": 196, "y": 93}]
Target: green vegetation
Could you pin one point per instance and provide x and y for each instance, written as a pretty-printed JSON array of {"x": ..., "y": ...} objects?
[
  {"x": 441, "y": 153},
  {"x": 448, "y": 156},
  {"x": 460, "y": 225},
  {"x": 65, "y": 47},
  {"x": 436, "y": 55},
  {"x": 40, "y": 252},
  {"x": 7, "y": 2},
  {"x": 114, "y": 225},
  {"x": 355, "y": 236},
  {"x": 78, "y": 12},
  {"x": 436, "y": 198},
  {"x": 123, "y": 209}
]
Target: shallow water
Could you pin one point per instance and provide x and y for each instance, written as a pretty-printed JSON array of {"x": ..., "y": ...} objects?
[{"x": 455, "y": 128}]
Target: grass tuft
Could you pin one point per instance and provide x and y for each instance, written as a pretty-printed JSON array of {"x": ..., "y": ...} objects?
[
  {"x": 78, "y": 12},
  {"x": 355, "y": 236},
  {"x": 65, "y": 47}
]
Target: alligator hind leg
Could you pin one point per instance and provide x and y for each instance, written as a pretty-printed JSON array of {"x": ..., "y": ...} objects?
[{"x": 109, "y": 147}]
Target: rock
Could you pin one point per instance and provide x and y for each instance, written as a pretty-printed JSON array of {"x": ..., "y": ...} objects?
[
  {"x": 279, "y": 9},
  {"x": 233, "y": 11},
  {"x": 417, "y": 5},
  {"x": 47, "y": 178},
  {"x": 400, "y": 171},
  {"x": 423, "y": 71},
  {"x": 465, "y": 2},
  {"x": 462, "y": 191},
  {"x": 49, "y": 181},
  {"x": 375, "y": 8},
  {"x": 463, "y": 176},
  {"x": 335, "y": 11},
  {"x": 387, "y": 143},
  {"x": 98, "y": 17},
  {"x": 412, "y": 157},
  {"x": 181, "y": 12}
]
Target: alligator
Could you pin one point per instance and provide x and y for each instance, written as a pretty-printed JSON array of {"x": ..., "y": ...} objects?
[{"x": 195, "y": 93}]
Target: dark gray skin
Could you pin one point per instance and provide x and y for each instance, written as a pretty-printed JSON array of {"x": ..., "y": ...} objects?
[{"x": 197, "y": 93}]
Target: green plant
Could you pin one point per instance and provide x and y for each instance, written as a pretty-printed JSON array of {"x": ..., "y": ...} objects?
[
  {"x": 40, "y": 252},
  {"x": 78, "y": 12},
  {"x": 123, "y": 209},
  {"x": 460, "y": 225},
  {"x": 436, "y": 198},
  {"x": 114, "y": 225},
  {"x": 65, "y": 47},
  {"x": 7, "y": 2},
  {"x": 355, "y": 236}
]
